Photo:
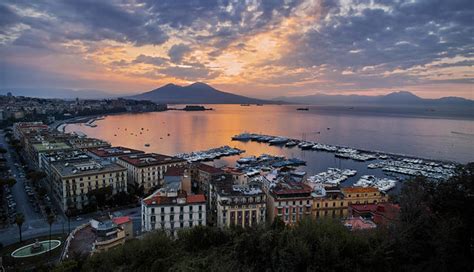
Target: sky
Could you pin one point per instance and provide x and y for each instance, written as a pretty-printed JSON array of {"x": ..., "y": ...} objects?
[{"x": 263, "y": 49}]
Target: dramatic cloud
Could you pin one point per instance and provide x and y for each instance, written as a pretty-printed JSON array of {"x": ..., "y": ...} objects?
[{"x": 256, "y": 47}]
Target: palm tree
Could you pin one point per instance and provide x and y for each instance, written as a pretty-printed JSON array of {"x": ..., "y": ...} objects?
[
  {"x": 19, "y": 220},
  {"x": 50, "y": 222}
]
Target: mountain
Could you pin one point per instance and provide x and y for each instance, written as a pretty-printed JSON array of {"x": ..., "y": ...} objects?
[
  {"x": 58, "y": 93},
  {"x": 393, "y": 99},
  {"x": 196, "y": 93}
]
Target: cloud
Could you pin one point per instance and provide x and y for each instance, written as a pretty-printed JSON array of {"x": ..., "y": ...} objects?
[
  {"x": 177, "y": 52},
  {"x": 325, "y": 44}
]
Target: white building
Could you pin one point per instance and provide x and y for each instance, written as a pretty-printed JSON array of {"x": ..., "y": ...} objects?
[{"x": 170, "y": 211}]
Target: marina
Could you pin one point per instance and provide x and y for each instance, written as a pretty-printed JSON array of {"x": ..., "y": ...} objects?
[
  {"x": 331, "y": 177},
  {"x": 210, "y": 154},
  {"x": 387, "y": 162},
  {"x": 382, "y": 184}
]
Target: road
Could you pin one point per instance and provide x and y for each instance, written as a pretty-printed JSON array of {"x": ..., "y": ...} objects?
[
  {"x": 18, "y": 190},
  {"x": 35, "y": 224}
]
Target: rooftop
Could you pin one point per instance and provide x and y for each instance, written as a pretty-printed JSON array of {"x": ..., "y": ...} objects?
[
  {"x": 117, "y": 151},
  {"x": 46, "y": 146},
  {"x": 229, "y": 189},
  {"x": 149, "y": 159},
  {"x": 85, "y": 167},
  {"x": 209, "y": 169},
  {"x": 291, "y": 189},
  {"x": 359, "y": 223},
  {"x": 65, "y": 155},
  {"x": 175, "y": 171},
  {"x": 177, "y": 198},
  {"x": 359, "y": 190},
  {"x": 121, "y": 220}
]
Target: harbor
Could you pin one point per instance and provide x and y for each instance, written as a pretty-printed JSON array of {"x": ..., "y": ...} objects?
[
  {"x": 210, "y": 154},
  {"x": 404, "y": 165}
]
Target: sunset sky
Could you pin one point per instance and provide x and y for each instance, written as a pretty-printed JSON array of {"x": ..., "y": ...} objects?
[{"x": 261, "y": 49}]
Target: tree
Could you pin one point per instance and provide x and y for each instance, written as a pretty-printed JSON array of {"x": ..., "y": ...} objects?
[
  {"x": 50, "y": 222},
  {"x": 3, "y": 150},
  {"x": 7, "y": 181},
  {"x": 19, "y": 220},
  {"x": 36, "y": 176}
]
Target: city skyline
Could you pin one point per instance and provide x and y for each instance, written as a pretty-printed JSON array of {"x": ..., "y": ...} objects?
[{"x": 258, "y": 49}]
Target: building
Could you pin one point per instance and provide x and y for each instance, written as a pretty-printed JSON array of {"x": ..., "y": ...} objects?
[
  {"x": 35, "y": 150},
  {"x": 238, "y": 176},
  {"x": 329, "y": 202},
  {"x": 86, "y": 143},
  {"x": 178, "y": 178},
  {"x": 237, "y": 205},
  {"x": 147, "y": 170},
  {"x": 363, "y": 195},
  {"x": 107, "y": 234},
  {"x": 22, "y": 128},
  {"x": 72, "y": 182},
  {"x": 112, "y": 153},
  {"x": 203, "y": 174},
  {"x": 358, "y": 223},
  {"x": 46, "y": 159},
  {"x": 171, "y": 211},
  {"x": 125, "y": 223},
  {"x": 290, "y": 201},
  {"x": 380, "y": 213}
]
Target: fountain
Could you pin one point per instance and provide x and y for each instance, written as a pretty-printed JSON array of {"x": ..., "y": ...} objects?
[{"x": 35, "y": 248}]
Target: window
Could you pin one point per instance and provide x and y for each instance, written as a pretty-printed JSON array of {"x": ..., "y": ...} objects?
[
  {"x": 162, "y": 210},
  {"x": 152, "y": 210}
]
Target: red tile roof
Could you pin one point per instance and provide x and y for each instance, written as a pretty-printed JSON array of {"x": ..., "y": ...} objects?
[
  {"x": 195, "y": 198},
  {"x": 292, "y": 188},
  {"x": 209, "y": 169},
  {"x": 175, "y": 171},
  {"x": 166, "y": 200},
  {"x": 121, "y": 220},
  {"x": 359, "y": 190}
]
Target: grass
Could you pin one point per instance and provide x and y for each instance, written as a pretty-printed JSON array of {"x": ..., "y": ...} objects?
[{"x": 30, "y": 263}]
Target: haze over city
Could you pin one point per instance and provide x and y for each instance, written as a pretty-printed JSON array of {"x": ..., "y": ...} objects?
[{"x": 261, "y": 49}]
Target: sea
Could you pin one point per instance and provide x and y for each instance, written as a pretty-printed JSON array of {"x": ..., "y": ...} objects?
[{"x": 175, "y": 131}]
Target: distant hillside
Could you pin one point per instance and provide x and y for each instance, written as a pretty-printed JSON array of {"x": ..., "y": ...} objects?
[
  {"x": 58, "y": 93},
  {"x": 196, "y": 93},
  {"x": 395, "y": 98}
]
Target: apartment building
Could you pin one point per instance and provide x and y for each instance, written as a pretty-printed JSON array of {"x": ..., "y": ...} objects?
[
  {"x": 148, "y": 169},
  {"x": 237, "y": 205},
  {"x": 289, "y": 201},
  {"x": 72, "y": 181},
  {"x": 329, "y": 202},
  {"x": 171, "y": 211},
  {"x": 363, "y": 195}
]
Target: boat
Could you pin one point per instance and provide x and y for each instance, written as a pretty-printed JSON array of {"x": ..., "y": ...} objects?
[
  {"x": 306, "y": 146},
  {"x": 290, "y": 144},
  {"x": 242, "y": 137},
  {"x": 245, "y": 105},
  {"x": 147, "y": 145},
  {"x": 349, "y": 172},
  {"x": 302, "y": 109},
  {"x": 246, "y": 160},
  {"x": 278, "y": 141}
]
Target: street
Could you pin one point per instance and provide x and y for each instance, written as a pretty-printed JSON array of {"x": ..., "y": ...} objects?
[{"x": 35, "y": 224}]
